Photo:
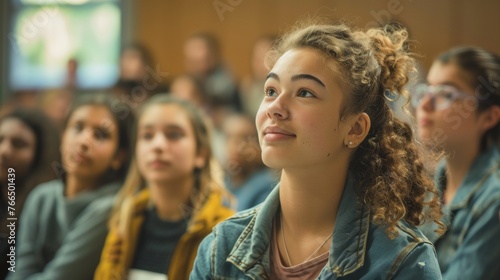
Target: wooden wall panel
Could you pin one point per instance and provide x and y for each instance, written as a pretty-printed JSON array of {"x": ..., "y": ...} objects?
[{"x": 163, "y": 25}]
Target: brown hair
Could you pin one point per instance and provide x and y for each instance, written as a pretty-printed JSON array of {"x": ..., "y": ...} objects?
[
  {"x": 483, "y": 69},
  {"x": 207, "y": 179},
  {"x": 123, "y": 116},
  {"x": 374, "y": 65},
  {"x": 46, "y": 152}
]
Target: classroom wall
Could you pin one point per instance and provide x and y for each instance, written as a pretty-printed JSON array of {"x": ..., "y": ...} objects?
[{"x": 435, "y": 25}]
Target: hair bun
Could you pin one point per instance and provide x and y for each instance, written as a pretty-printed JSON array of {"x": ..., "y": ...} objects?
[{"x": 390, "y": 48}]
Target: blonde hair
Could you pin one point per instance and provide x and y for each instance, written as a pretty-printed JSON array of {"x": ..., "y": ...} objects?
[
  {"x": 372, "y": 66},
  {"x": 207, "y": 179}
]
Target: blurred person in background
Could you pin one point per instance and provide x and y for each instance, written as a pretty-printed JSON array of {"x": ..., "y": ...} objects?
[
  {"x": 251, "y": 92},
  {"x": 63, "y": 225},
  {"x": 138, "y": 78},
  {"x": 29, "y": 144},
  {"x": 171, "y": 199},
  {"x": 458, "y": 113},
  {"x": 247, "y": 178},
  {"x": 203, "y": 59},
  {"x": 188, "y": 87}
]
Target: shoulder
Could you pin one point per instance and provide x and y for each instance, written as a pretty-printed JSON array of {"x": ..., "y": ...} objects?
[
  {"x": 488, "y": 195},
  {"x": 213, "y": 211},
  {"x": 419, "y": 262},
  {"x": 216, "y": 247},
  {"x": 44, "y": 194},
  {"x": 48, "y": 189},
  {"x": 228, "y": 231},
  {"x": 101, "y": 205},
  {"x": 99, "y": 208},
  {"x": 394, "y": 255}
]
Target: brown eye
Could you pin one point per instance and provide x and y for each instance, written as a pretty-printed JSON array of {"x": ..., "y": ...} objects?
[
  {"x": 101, "y": 134},
  {"x": 305, "y": 93},
  {"x": 19, "y": 144},
  {"x": 270, "y": 92},
  {"x": 146, "y": 135},
  {"x": 174, "y": 135},
  {"x": 78, "y": 126}
]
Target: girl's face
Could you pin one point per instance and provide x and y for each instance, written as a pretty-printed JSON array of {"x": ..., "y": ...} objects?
[
  {"x": 455, "y": 125},
  {"x": 166, "y": 145},
  {"x": 299, "y": 118},
  {"x": 90, "y": 143},
  {"x": 132, "y": 65},
  {"x": 17, "y": 148}
]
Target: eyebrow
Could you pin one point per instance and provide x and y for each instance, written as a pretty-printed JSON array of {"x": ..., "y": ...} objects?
[
  {"x": 272, "y": 75},
  {"x": 82, "y": 121},
  {"x": 452, "y": 84},
  {"x": 168, "y": 126},
  {"x": 298, "y": 77}
]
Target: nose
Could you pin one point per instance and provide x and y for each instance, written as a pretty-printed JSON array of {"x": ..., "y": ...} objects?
[
  {"x": 277, "y": 109},
  {"x": 84, "y": 139},
  {"x": 159, "y": 142},
  {"x": 5, "y": 148},
  {"x": 427, "y": 103}
]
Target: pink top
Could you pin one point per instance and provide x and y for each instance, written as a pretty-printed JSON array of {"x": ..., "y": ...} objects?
[{"x": 304, "y": 271}]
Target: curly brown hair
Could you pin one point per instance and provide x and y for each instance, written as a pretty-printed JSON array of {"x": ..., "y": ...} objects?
[{"x": 373, "y": 65}]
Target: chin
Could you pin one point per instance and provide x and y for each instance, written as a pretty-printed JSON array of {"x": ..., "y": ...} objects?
[{"x": 275, "y": 162}]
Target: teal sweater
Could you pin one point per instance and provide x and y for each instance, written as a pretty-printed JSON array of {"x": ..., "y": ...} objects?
[{"x": 62, "y": 238}]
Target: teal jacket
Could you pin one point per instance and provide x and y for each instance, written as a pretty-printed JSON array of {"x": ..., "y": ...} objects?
[
  {"x": 62, "y": 238},
  {"x": 470, "y": 248}
]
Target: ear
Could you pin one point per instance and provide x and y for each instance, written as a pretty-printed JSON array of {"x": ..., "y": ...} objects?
[
  {"x": 118, "y": 160},
  {"x": 360, "y": 126},
  {"x": 490, "y": 118}
]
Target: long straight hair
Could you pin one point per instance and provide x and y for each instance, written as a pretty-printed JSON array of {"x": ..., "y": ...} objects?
[{"x": 208, "y": 179}]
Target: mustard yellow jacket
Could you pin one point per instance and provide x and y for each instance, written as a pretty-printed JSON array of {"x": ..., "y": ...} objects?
[{"x": 118, "y": 253}]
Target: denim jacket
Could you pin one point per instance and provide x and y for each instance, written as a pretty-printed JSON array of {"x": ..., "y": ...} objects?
[
  {"x": 238, "y": 248},
  {"x": 470, "y": 249}
]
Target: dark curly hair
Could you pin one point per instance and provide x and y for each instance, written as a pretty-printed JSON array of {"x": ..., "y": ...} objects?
[{"x": 375, "y": 64}]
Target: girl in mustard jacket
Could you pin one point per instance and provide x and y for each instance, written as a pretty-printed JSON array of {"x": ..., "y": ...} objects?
[{"x": 171, "y": 199}]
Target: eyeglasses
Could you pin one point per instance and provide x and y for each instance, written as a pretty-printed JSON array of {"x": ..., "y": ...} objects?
[{"x": 441, "y": 96}]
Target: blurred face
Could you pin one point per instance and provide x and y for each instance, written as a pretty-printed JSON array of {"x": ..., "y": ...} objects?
[
  {"x": 166, "y": 145},
  {"x": 185, "y": 89},
  {"x": 17, "y": 148},
  {"x": 90, "y": 143},
  {"x": 242, "y": 143},
  {"x": 199, "y": 61},
  {"x": 132, "y": 66},
  {"x": 454, "y": 125},
  {"x": 298, "y": 121}
]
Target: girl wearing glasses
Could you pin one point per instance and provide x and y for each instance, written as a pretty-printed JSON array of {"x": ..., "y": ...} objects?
[
  {"x": 352, "y": 187},
  {"x": 458, "y": 112}
]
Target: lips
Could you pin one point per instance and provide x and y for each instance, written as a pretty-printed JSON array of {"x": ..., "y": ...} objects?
[
  {"x": 275, "y": 133},
  {"x": 81, "y": 158},
  {"x": 424, "y": 122},
  {"x": 158, "y": 163}
]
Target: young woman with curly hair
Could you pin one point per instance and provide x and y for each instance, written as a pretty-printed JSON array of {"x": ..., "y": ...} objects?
[
  {"x": 352, "y": 188},
  {"x": 458, "y": 112}
]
